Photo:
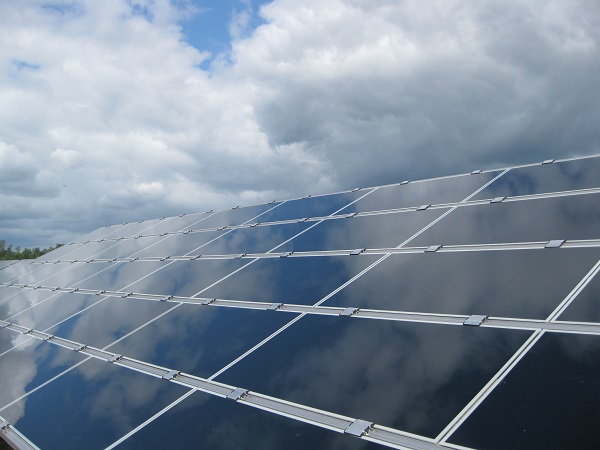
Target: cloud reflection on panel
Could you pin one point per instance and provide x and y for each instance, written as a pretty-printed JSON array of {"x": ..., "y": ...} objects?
[
  {"x": 13, "y": 385},
  {"x": 302, "y": 280},
  {"x": 564, "y": 176},
  {"x": 116, "y": 399},
  {"x": 35, "y": 363},
  {"x": 379, "y": 231},
  {"x": 414, "y": 377},
  {"x": 525, "y": 221},
  {"x": 523, "y": 283}
]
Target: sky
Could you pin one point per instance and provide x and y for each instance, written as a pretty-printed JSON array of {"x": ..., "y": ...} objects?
[{"x": 123, "y": 110}]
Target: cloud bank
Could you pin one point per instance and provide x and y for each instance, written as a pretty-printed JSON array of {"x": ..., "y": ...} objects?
[{"x": 108, "y": 116}]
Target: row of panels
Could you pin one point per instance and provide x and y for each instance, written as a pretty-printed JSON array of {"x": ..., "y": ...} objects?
[
  {"x": 564, "y": 176},
  {"x": 572, "y": 217},
  {"x": 413, "y": 377},
  {"x": 527, "y": 284}
]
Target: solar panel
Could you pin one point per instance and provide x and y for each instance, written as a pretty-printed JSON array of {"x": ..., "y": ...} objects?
[{"x": 456, "y": 312}]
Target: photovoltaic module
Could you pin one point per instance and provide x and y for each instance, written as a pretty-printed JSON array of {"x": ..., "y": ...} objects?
[{"x": 448, "y": 313}]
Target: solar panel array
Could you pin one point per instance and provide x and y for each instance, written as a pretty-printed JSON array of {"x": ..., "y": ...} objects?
[{"x": 457, "y": 312}]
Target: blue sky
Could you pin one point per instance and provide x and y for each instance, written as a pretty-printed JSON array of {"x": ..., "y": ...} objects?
[
  {"x": 109, "y": 115},
  {"x": 208, "y": 29}
]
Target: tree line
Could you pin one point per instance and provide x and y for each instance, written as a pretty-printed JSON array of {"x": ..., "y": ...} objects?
[{"x": 27, "y": 253}]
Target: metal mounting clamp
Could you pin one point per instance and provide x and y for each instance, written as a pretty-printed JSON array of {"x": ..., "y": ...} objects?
[
  {"x": 555, "y": 243},
  {"x": 475, "y": 320},
  {"x": 114, "y": 358},
  {"x": 237, "y": 394},
  {"x": 350, "y": 311},
  {"x": 171, "y": 374},
  {"x": 359, "y": 428}
]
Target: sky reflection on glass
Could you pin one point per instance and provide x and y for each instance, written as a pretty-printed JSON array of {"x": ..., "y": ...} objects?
[
  {"x": 562, "y": 176},
  {"x": 575, "y": 217},
  {"x": 523, "y": 283},
  {"x": 304, "y": 280},
  {"x": 91, "y": 406},
  {"x": 410, "y": 376},
  {"x": 429, "y": 192},
  {"x": 380, "y": 231}
]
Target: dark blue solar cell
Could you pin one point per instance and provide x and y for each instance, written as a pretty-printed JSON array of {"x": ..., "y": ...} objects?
[
  {"x": 549, "y": 400},
  {"x": 586, "y": 306}
]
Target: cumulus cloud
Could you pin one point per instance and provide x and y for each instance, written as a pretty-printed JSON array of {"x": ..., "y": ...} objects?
[{"x": 107, "y": 116}]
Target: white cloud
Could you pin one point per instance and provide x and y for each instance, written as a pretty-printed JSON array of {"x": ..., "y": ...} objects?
[
  {"x": 67, "y": 158},
  {"x": 107, "y": 117}
]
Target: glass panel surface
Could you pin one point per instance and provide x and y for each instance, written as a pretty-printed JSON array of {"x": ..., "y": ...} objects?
[
  {"x": 562, "y": 176},
  {"x": 89, "y": 251},
  {"x": 319, "y": 206},
  {"x": 185, "y": 278},
  {"x": 517, "y": 283},
  {"x": 586, "y": 306},
  {"x": 106, "y": 320},
  {"x": 253, "y": 240},
  {"x": 304, "y": 280},
  {"x": 14, "y": 271},
  {"x": 236, "y": 216},
  {"x": 204, "y": 421},
  {"x": 101, "y": 233},
  {"x": 414, "y": 377},
  {"x": 549, "y": 400},
  {"x": 178, "y": 223},
  {"x": 576, "y": 217},
  {"x": 182, "y": 244},
  {"x": 4, "y": 264},
  {"x": 26, "y": 367},
  {"x": 62, "y": 252},
  {"x": 126, "y": 230},
  {"x": 201, "y": 339},
  {"x": 426, "y": 192},
  {"x": 91, "y": 406},
  {"x": 20, "y": 300},
  {"x": 379, "y": 231},
  {"x": 129, "y": 247},
  {"x": 106, "y": 276},
  {"x": 37, "y": 275}
]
